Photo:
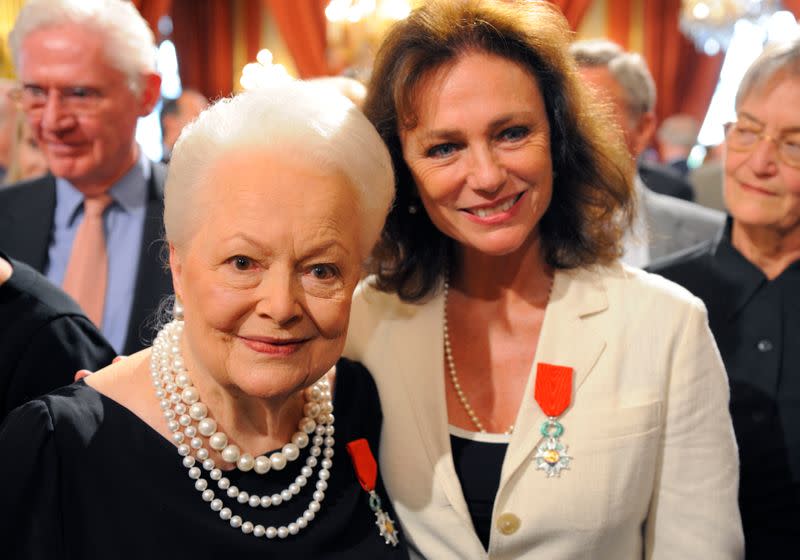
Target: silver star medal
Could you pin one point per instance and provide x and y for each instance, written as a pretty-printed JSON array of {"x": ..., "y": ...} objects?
[
  {"x": 385, "y": 524},
  {"x": 551, "y": 455}
]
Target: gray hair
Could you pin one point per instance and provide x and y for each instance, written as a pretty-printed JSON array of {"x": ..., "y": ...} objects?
[
  {"x": 628, "y": 69},
  {"x": 781, "y": 57},
  {"x": 319, "y": 123},
  {"x": 130, "y": 45}
]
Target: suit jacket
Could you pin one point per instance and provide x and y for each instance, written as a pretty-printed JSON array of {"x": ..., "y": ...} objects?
[
  {"x": 661, "y": 179},
  {"x": 654, "y": 472},
  {"x": 26, "y": 223},
  {"x": 44, "y": 339},
  {"x": 674, "y": 224}
]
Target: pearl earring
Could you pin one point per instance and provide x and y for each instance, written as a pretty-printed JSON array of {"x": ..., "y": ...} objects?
[{"x": 177, "y": 309}]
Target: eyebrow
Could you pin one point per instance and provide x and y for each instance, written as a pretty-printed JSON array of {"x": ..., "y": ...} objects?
[
  {"x": 444, "y": 133},
  {"x": 759, "y": 122}
]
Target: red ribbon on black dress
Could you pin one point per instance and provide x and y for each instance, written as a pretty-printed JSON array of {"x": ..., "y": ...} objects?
[{"x": 367, "y": 473}]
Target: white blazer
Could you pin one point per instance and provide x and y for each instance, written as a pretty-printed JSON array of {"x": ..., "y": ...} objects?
[{"x": 655, "y": 468}]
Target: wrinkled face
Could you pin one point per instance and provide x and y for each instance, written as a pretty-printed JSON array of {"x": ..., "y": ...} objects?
[
  {"x": 268, "y": 273},
  {"x": 761, "y": 190},
  {"x": 480, "y": 153},
  {"x": 80, "y": 108}
]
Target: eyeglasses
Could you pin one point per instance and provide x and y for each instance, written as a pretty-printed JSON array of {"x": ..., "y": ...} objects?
[
  {"x": 744, "y": 137},
  {"x": 73, "y": 99}
]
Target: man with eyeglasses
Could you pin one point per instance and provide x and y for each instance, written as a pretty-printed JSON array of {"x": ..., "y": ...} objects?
[
  {"x": 749, "y": 278},
  {"x": 87, "y": 73}
]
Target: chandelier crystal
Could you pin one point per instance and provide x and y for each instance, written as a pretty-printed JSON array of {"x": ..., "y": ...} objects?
[{"x": 709, "y": 23}]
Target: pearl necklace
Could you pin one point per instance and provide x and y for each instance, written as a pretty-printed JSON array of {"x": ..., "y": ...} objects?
[
  {"x": 451, "y": 366},
  {"x": 187, "y": 418}
]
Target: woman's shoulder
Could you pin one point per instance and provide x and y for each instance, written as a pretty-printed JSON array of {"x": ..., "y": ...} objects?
[{"x": 623, "y": 282}]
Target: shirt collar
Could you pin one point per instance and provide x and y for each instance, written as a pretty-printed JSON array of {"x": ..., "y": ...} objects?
[
  {"x": 128, "y": 193},
  {"x": 742, "y": 277}
]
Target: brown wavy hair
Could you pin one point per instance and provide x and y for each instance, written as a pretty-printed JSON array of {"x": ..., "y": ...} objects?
[{"x": 592, "y": 202}]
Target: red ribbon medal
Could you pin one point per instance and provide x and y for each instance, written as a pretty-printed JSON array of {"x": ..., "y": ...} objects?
[
  {"x": 367, "y": 473},
  {"x": 553, "y": 393}
]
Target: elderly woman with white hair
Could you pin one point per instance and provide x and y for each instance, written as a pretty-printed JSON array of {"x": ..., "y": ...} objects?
[{"x": 219, "y": 439}]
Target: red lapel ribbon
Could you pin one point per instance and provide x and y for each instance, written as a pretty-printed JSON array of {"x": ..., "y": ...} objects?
[
  {"x": 553, "y": 389},
  {"x": 364, "y": 463}
]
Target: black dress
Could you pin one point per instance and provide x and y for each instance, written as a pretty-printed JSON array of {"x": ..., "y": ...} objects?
[
  {"x": 83, "y": 477},
  {"x": 44, "y": 338}
]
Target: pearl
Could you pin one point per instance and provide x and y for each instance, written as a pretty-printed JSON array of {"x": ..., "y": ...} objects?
[
  {"x": 286, "y": 495},
  {"x": 215, "y": 474},
  {"x": 271, "y": 532},
  {"x": 208, "y": 465},
  {"x": 183, "y": 450},
  {"x": 307, "y": 425},
  {"x": 283, "y": 532},
  {"x": 322, "y": 485},
  {"x": 311, "y": 462},
  {"x": 225, "y": 514},
  {"x": 218, "y": 441},
  {"x": 243, "y": 497},
  {"x": 194, "y": 473},
  {"x": 246, "y": 462},
  {"x": 236, "y": 521},
  {"x": 301, "y": 481},
  {"x": 277, "y": 460},
  {"x": 293, "y": 528},
  {"x": 177, "y": 437},
  {"x": 294, "y": 488},
  {"x": 216, "y": 504},
  {"x": 179, "y": 409},
  {"x": 190, "y": 395},
  {"x": 254, "y": 501},
  {"x": 290, "y": 451},
  {"x": 201, "y": 484},
  {"x": 326, "y": 463},
  {"x": 318, "y": 495},
  {"x": 327, "y": 452},
  {"x": 188, "y": 462},
  {"x": 247, "y": 527},
  {"x": 196, "y": 443},
  {"x": 309, "y": 515},
  {"x": 231, "y": 453},
  {"x": 198, "y": 411},
  {"x": 233, "y": 491},
  {"x": 208, "y": 495},
  {"x": 259, "y": 531},
  {"x": 190, "y": 431},
  {"x": 262, "y": 464},
  {"x": 202, "y": 454},
  {"x": 276, "y": 499},
  {"x": 300, "y": 439},
  {"x": 329, "y": 430},
  {"x": 224, "y": 483},
  {"x": 313, "y": 507},
  {"x": 306, "y": 471},
  {"x": 324, "y": 474},
  {"x": 207, "y": 426},
  {"x": 302, "y": 522},
  {"x": 311, "y": 409},
  {"x": 266, "y": 501}
]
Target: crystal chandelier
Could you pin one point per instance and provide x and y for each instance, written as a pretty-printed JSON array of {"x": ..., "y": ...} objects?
[{"x": 709, "y": 23}]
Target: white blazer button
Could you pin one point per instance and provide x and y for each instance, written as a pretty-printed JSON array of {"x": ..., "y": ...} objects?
[{"x": 508, "y": 523}]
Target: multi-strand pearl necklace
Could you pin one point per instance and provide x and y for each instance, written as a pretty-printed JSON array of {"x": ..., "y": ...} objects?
[
  {"x": 451, "y": 366},
  {"x": 188, "y": 420}
]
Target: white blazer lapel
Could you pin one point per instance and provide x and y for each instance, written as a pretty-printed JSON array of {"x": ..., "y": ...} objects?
[
  {"x": 565, "y": 340},
  {"x": 424, "y": 356}
]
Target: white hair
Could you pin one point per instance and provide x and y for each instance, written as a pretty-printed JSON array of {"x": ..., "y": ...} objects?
[
  {"x": 628, "y": 69},
  {"x": 130, "y": 45},
  {"x": 321, "y": 125}
]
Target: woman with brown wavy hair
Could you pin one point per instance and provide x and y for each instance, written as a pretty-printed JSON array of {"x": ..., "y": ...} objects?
[{"x": 541, "y": 400}]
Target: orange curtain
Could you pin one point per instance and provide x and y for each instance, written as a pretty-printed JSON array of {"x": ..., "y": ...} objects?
[
  {"x": 618, "y": 23},
  {"x": 685, "y": 79},
  {"x": 573, "y": 10},
  {"x": 302, "y": 25},
  {"x": 793, "y": 6},
  {"x": 203, "y": 37},
  {"x": 152, "y": 10}
]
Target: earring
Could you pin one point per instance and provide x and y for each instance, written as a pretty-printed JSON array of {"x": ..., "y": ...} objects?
[
  {"x": 412, "y": 208},
  {"x": 177, "y": 309}
]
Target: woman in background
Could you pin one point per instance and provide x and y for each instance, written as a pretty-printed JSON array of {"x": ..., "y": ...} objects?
[{"x": 541, "y": 400}]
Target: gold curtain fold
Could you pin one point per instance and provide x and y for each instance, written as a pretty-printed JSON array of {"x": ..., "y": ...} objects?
[{"x": 8, "y": 14}]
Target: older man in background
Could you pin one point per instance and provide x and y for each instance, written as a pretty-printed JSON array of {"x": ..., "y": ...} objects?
[
  {"x": 665, "y": 224},
  {"x": 87, "y": 73}
]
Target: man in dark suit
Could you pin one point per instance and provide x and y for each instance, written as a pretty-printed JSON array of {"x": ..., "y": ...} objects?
[
  {"x": 87, "y": 75},
  {"x": 664, "y": 180}
]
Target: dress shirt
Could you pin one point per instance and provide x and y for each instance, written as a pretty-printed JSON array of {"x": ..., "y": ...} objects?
[
  {"x": 124, "y": 224},
  {"x": 756, "y": 323},
  {"x": 636, "y": 241}
]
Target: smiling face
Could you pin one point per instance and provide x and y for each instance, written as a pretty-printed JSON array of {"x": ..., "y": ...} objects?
[
  {"x": 480, "y": 152},
  {"x": 760, "y": 190},
  {"x": 94, "y": 146},
  {"x": 268, "y": 274}
]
